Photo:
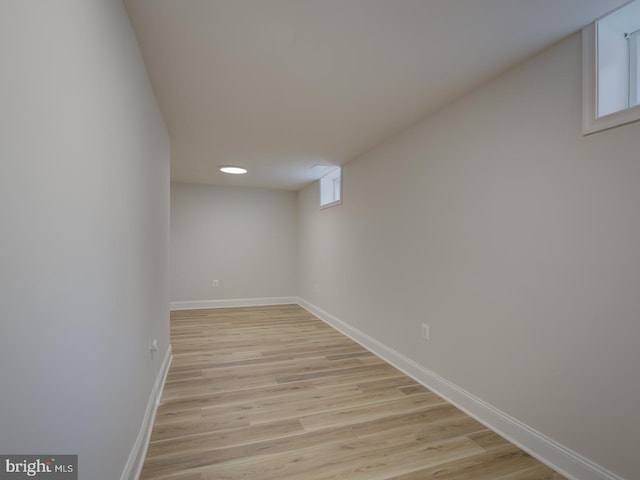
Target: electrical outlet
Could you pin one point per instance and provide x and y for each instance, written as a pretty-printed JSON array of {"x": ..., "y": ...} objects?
[
  {"x": 425, "y": 331},
  {"x": 215, "y": 284}
]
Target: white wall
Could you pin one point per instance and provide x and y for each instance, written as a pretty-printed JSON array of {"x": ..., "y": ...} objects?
[
  {"x": 84, "y": 215},
  {"x": 516, "y": 239},
  {"x": 246, "y": 238}
]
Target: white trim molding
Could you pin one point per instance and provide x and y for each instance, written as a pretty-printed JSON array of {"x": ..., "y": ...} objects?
[
  {"x": 565, "y": 461},
  {"x": 233, "y": 302},
  {"x": 133, "y": 468}
]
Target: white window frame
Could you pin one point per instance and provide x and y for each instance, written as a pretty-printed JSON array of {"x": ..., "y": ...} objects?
[
  {"x": 336, "y": 182},
  {"x": 634, "y": 45},
  {"x": 591, "y": 122}
]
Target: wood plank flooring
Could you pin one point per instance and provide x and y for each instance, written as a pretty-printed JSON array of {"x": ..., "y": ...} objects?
[{"x": 274, "y": 393}]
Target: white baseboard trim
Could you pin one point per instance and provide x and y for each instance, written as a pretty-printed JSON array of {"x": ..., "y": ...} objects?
[
  {"x": 233, "y": 302},
  {"x": 565, "y": 461},
  {"x": 133, "y": 468}
]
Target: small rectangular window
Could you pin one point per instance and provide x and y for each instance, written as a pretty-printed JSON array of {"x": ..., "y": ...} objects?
[
  {"x": 331, "y": 188},
  {"x": 611, "y": 80}
]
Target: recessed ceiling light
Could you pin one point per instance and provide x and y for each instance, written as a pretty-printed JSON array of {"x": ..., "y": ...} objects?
[{"x": 233, "y": 170}]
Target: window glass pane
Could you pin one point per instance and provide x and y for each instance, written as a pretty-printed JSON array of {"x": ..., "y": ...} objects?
[
  {"x": 330, "y": 187},
  {"x": 616, "y": 59},
  {"x": 613, "y": 70}
]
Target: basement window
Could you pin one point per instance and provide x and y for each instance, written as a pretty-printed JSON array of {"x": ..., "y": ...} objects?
[
  {"x": 611, "y": 75},
  {"x": 331, "y": 188}
]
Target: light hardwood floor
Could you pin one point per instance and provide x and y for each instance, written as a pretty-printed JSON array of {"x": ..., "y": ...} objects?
[{"x": 274, "y": 393}]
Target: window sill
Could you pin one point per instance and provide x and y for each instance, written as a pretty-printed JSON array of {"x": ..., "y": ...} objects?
[{"x": 332, "y": 204}]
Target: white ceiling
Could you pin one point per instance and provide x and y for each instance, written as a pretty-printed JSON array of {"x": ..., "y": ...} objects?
[{"x": 280, "y": 85}]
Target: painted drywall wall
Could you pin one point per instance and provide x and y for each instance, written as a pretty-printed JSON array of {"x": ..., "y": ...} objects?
[
  {"x": 516, "y": 239},
  {"x": 84, "y": 209},
  {"x": 246, "y": 238}
]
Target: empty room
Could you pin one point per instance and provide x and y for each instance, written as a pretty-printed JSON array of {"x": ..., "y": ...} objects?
[{"x": 320, "y": 239}]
